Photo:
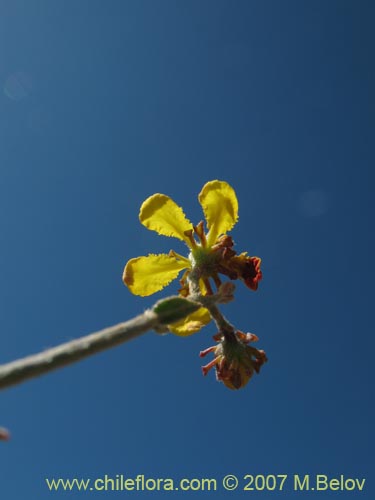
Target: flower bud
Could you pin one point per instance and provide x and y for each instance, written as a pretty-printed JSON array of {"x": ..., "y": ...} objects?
[{"x": 235, "y": 361}]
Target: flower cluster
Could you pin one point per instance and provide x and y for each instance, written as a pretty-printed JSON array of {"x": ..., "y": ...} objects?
[
  {"x": 211, "y": 254},
  {"x": 235, "y": 361}
]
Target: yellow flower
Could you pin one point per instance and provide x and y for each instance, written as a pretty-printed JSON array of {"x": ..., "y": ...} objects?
[{"x": 211, "y": 255}]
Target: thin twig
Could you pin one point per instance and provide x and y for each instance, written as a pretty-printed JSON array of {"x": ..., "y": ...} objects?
[{"x": 23, "y": 369}]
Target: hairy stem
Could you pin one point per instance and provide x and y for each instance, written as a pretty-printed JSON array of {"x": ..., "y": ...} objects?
[
  {"x": 209, "y": 302},
  {"x": 23, "y": 369}
]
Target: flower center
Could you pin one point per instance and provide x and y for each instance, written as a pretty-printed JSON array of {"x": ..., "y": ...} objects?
[{"x": 204, "y": 260}]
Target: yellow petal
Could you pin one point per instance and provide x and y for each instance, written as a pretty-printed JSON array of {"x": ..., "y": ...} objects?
[
  {"x": 220, "y": 207},
  {"x": 202, "y": 287},
  {"x": 161, "y": 214},
  {"x": 191, "y": 324},
  {"x": 147, "y": 275}
]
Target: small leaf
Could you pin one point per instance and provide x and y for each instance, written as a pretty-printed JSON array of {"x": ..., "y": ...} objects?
[{"x": 174, "y": 308}]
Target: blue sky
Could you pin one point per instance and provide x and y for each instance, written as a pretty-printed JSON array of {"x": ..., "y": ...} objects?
[{"x": 104, "y": 103}]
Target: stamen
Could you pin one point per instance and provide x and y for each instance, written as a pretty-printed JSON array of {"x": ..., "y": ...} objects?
[
  {"x": 204, "y": 353},
  {"x": 189, "y": 234},
  {"x": 172, "y": 253},
  {"x": 246, "y": 337},
  {"x": 211, "y": 364},
  {"x": 251, "y": 337},
  {"x": 199, "y": 231}
]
